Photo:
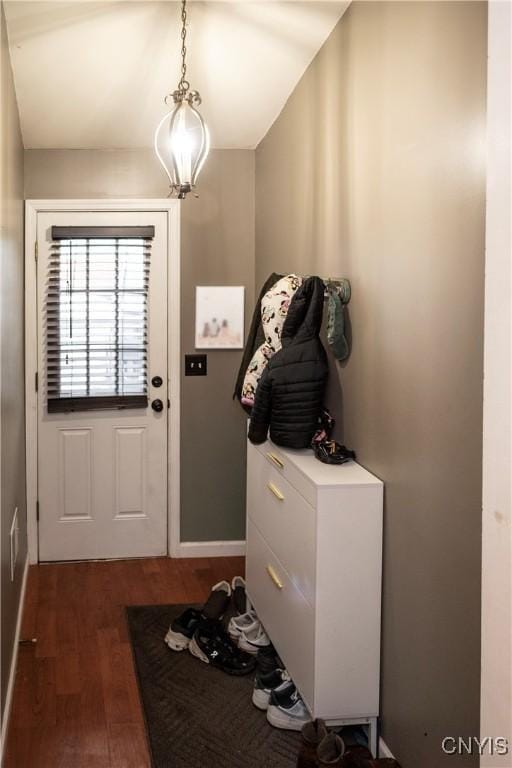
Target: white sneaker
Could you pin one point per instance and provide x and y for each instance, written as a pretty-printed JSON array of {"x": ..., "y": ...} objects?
[
  {"x": 239, "y": 624},
  {"x": 265, "y": 684},
  {"x": 253, "y": 638},
  {"x": 286, "y": 709}
]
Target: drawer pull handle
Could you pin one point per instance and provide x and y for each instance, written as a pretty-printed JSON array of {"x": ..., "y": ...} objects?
[
  {"x": 275, "y": 578},
  {"x": 275, "y": 460},
  {"x": 277, "y": 493}
]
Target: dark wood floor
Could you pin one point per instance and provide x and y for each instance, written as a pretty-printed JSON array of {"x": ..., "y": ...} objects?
[{"x": 75, "y": 701}]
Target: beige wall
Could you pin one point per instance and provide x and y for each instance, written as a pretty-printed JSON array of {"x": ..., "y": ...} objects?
[
  {"x": 375, "y": 171},
  {"x": 217, "y": 240},
  {"x": 12, "y": 412}
]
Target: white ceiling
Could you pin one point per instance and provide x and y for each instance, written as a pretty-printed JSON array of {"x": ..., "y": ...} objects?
[{"x": 94, "y": 74}]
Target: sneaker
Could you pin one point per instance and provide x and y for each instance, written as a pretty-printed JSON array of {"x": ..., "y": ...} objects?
[
  {"x": 211, "y": 644},
  {"x": 356, "y": 745},
  {"x": 267, "y": 659},
  {"x": 265, "y": 684},
  {"x": 287, "y": 710},
  {"x": 312, "y": 734},
  {"x": 238, "y": 592},
  {"x": 218, "y": 602},
  {"x": 253, "y": 638},
  {"x": 330, "y": 751},
  {"x": 182, "y": 629},
  {"x": 239, "y": 624}
]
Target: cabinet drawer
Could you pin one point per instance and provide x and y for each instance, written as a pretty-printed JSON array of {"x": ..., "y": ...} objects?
[
  {"x": 283, "y": 611},
  {"x": 285, "y": 520},
  {"x": 282, "y": 464}
]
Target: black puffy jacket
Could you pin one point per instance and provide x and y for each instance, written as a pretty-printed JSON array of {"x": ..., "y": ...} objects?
[{"x": 290, "y": 393}]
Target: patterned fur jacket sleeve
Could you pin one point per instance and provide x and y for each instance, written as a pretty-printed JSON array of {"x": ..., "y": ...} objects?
[
  {"x": 254, "y": 339},
  {"x": 274, "y": 309}
]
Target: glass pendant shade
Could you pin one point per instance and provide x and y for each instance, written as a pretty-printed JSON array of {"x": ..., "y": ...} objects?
[{"x": 182, "y": 142}]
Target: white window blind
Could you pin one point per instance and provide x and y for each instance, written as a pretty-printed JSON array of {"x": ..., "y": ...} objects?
[{"x": 97, "y": 318}]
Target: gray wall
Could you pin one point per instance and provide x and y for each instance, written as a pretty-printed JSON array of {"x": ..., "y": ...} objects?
[
  {"x": 12, "y": 411},
  {"x": 375, "y": 171},
  {"x": 217, "y": 249}
]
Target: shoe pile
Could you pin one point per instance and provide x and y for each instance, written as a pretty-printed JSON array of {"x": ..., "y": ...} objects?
[
  {"x": 202, "y": 631},
  {"x": 245, "y": 647}
]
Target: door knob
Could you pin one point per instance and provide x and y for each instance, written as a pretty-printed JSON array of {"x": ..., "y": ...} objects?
[
  {"x": 157, "y": 381},
  {"x": 157, "y": 405}
]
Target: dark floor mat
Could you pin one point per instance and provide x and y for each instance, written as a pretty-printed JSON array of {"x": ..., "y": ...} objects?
[{"x": 197, "y": 716}]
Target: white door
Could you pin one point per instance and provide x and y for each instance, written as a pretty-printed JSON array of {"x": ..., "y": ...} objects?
[{"x": 102, "y": 384}]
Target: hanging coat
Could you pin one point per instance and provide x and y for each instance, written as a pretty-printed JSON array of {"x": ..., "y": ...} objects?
[{"x": 291, "y": 390}]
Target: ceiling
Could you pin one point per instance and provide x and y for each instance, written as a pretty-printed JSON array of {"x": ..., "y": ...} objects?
[{"x": 94, "y": 74}]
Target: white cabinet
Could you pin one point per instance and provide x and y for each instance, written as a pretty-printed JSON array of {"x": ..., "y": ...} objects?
[{"x": 314, "y": 564}]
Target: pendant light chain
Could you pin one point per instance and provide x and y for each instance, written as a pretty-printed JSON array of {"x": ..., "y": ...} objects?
[
  {"x": 182, "y": 139},
  {"x": 183, "y": 85}
]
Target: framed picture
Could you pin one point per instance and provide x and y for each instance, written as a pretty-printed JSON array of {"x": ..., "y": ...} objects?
[{"x": 220, "y": 317}]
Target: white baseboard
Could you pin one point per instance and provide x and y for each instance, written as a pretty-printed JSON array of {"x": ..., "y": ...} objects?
[
  {"x": 384, "y": 750},
  {"x": 210, "y": 549},
  {"x": 14, "y": 660}
]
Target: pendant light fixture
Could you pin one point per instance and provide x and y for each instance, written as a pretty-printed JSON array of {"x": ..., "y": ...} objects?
[{"x": 182, "y": 140}]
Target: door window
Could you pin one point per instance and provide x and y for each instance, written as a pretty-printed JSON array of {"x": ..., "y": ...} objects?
[{"x": 97, "y": 318}]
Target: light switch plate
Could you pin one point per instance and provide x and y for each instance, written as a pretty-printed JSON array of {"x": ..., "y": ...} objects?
[{"x": 195, "y": 365}]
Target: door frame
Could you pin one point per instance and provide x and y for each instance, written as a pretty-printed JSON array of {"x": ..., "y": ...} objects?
[
  {"x": 496, "y": 677},
  {"x": 172, "y": 209}
]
